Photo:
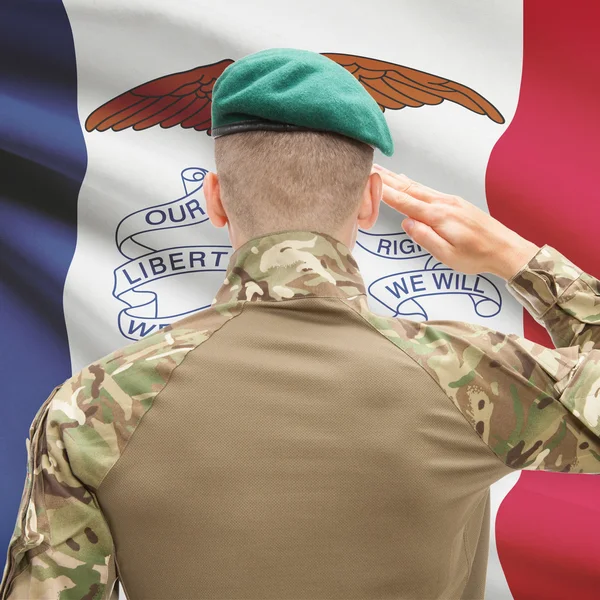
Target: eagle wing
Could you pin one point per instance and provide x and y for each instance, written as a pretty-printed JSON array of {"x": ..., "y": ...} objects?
[
  {"x": 177, "y": 99},
  {"x": 185, "y": 98},
  {"x": 395, "y": 86}
]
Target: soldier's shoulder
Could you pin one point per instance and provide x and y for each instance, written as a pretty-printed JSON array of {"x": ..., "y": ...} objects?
[
  {"x": 459, "y": 355},
  {"x": 419, "y": 338},
  {"x": 101, "y": 405},
  {"x": 137, "y": 367},
  {"x": 447, "y": 347}
]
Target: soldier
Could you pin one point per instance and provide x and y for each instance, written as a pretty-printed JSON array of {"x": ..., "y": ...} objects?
[{"x": 288, "y": 443}]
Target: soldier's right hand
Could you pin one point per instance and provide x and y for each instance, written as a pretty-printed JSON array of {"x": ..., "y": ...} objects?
[{"x": 454, "y": 231}]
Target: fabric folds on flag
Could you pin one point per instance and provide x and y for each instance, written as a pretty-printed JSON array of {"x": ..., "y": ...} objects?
[{"x": 104, "y": 145}]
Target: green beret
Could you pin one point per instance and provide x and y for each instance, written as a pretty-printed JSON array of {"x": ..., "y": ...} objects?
[{"x": 285, "y": 89}]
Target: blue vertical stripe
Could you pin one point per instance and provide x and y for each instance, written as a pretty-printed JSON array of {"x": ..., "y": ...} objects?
[{"x": 42, "y": 164}]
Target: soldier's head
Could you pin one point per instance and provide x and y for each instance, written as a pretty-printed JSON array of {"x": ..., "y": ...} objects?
[
  {"x": 272, "y": 181},
  {"x": 295, "y": 134}
]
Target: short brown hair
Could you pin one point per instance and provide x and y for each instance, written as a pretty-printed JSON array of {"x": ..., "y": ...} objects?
[{"x": 274, "y": 181}]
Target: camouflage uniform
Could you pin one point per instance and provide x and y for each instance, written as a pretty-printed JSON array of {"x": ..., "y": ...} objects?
[{"x": 287, "y": 442}]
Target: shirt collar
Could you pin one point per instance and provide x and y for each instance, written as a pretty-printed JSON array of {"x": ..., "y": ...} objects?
[{"x": 290, "y": 264}]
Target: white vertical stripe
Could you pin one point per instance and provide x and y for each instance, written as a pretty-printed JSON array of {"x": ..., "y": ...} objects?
[{"x": 120, "y": 45}]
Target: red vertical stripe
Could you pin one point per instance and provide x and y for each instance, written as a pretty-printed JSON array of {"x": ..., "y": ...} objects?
[{"x": 543, "y": 181}]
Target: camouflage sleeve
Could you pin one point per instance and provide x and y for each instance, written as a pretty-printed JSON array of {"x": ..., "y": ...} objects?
[
  {"x": 61, "y": 547},
  {"x": 561, "y": 297},
  {"x": 534, "y": 407}
]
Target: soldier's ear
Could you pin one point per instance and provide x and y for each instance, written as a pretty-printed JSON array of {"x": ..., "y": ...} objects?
[
  {"x": 369, "y": 206},
  {"x": 214, "y": 205}
]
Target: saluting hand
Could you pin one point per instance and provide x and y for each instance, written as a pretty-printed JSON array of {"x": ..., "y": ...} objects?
[{"x": 454, "y": 231}]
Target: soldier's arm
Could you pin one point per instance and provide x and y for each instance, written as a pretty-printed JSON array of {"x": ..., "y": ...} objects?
[
  {"x": 561, "y": 297},
  {"x": 534, "y": 407},
  {"x": 61, "y": 548}
]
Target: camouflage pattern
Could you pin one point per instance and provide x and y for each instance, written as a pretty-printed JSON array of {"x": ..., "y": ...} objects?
[
  {"x": 549, "y": 276},
  {"x": 534, "y": 407},
  {"x": 62, "y": 547},
  {"x": 290, "y": 265},
  {"x": 508, "y": 388}
]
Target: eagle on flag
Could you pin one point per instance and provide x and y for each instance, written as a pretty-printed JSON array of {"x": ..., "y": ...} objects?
[{"x": 185, "y": 98}]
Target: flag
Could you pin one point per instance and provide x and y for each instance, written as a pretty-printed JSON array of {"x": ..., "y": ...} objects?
[{"x": 104, "y": 235}]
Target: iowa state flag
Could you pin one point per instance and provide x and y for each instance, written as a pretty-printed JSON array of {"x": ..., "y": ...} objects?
[{"x": 104, "y": 142}]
